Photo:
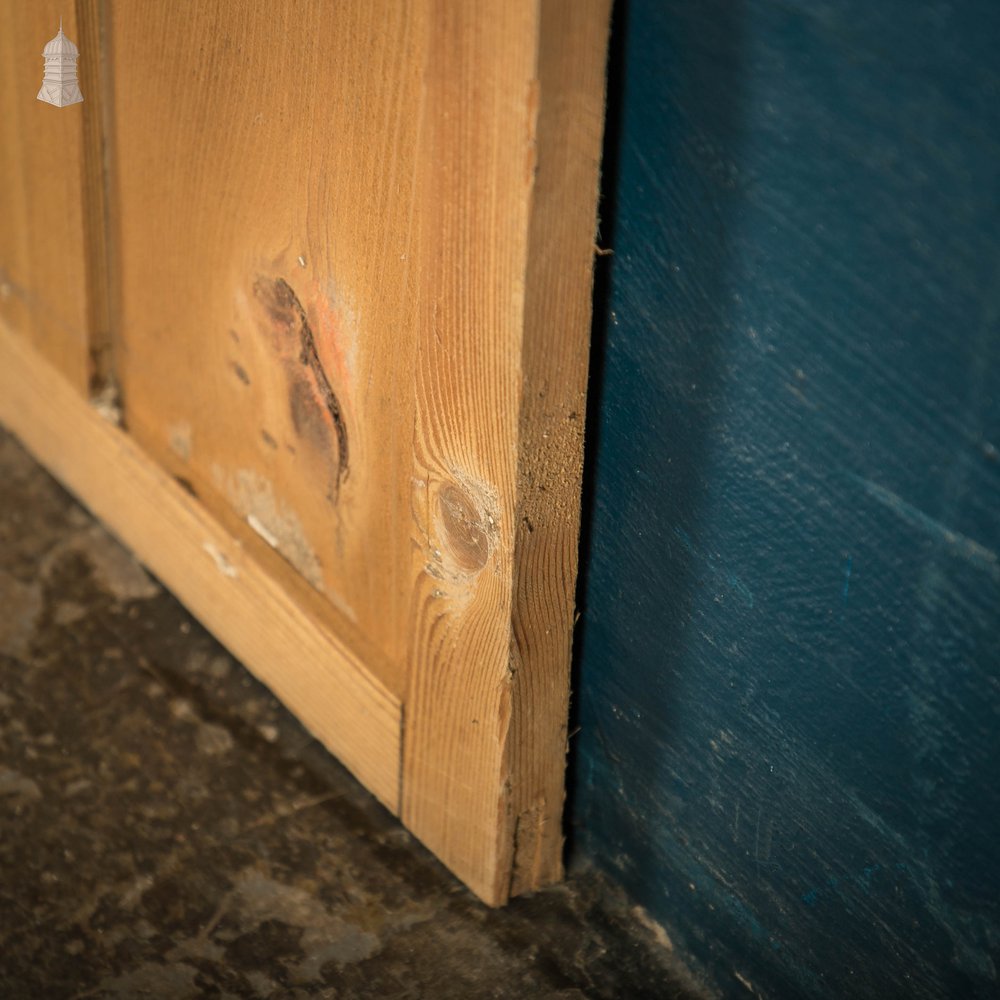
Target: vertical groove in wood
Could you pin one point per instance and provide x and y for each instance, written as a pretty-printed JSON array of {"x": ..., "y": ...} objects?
[{"x": 96, "y": 162}]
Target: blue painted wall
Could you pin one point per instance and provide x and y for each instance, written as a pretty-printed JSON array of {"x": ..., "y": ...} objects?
[{"x": 789, "y": 674}]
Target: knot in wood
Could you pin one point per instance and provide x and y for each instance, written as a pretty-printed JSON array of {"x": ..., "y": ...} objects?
[{"x": 463, "y": 528}]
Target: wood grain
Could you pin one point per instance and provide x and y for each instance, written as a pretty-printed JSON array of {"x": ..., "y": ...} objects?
[
  {"x": 265, "y": 170},
  {"x": 309, "y": 667},
  {"x": 477, "y": 166},
  {"x": 555, "y": 358},
  {"x": 344, "y": 264},
  {"x": 43, "y": 272},
  {"x": 501, "y": 392}
]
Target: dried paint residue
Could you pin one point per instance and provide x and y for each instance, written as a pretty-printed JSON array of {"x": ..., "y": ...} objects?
[
  {"x": 253, "y": 498},
  {"x": 179, "y": 439}
]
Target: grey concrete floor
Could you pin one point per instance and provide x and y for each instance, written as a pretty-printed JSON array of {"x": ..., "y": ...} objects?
[{"x": 168, "y": 830}]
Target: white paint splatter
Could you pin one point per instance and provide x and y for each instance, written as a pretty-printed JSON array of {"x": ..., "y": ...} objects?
[
  {"x": 255, "y": 523},
  {"x": 253, "y": 498},
  {"x": 221, "y": 560},
  {"x": 179, "y": 439}
]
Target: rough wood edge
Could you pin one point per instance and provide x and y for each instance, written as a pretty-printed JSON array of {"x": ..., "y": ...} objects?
[
  {"x": 307, "y": 666},
  {"x": 572, "y": 54}
]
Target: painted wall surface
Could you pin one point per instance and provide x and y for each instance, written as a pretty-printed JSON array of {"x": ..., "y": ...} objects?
[{"x": 789, "y": 680}]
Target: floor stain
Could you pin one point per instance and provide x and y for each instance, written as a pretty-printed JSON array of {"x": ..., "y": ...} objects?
[{"x": 20, "y": 608}]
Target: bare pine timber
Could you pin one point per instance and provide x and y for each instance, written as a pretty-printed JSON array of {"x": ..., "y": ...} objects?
[
  {"x": 343, "y": 253},
  {"x": 554, "y": 360},
  {"x": 266, "y": 169},
  {"x": 501, "y": 388}
]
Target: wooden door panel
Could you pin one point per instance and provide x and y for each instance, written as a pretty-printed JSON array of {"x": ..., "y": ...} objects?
[
  {"x": 266, "y": 216},
  {"x": 350, "y": 249}
]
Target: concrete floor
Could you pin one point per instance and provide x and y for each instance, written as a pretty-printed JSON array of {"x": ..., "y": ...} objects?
[{"x": 168, "y": 830}]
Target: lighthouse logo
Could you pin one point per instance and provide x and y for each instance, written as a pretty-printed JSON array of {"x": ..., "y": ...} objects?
[{"x": 59, "y": 87}]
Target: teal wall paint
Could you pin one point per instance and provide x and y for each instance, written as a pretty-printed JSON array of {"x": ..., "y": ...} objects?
[{"x": 788, "y": 683}]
